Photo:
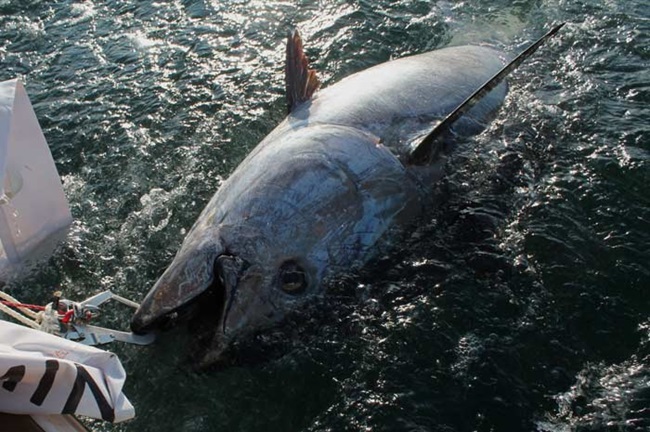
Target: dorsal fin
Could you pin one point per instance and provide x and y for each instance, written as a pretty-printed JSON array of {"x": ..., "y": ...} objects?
[
  {"x": 301, "y": 81},
  {"x": 429, "y": 145}
]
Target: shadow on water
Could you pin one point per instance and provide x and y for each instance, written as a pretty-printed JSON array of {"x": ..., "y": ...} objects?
[{"x": 519, "y": 303}]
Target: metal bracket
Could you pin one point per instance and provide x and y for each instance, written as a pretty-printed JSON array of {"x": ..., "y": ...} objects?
[{"x": 78, "y": 315}]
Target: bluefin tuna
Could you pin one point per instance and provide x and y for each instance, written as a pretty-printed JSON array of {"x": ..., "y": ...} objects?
[{"x": 350, "y": 167}]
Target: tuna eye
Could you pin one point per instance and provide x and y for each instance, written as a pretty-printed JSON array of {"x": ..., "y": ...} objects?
[{"x": 292, "y": 278}]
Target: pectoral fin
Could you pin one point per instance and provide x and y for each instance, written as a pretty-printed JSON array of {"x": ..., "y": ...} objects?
[{"x": 430, "y": 145}]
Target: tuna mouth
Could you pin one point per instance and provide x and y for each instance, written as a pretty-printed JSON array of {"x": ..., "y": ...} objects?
[
  {"x": 200, "y": 313},
  {"x": 181, "y": 298},
  {"x": 177, "y": 299},
  {"x": 210, "y": 303},
  {"x": 207, "y": 345}
]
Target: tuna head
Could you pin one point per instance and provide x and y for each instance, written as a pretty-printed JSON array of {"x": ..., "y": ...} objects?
[
  {"x": 310, "y": 204},
  {"x": 225, "y": 293}
]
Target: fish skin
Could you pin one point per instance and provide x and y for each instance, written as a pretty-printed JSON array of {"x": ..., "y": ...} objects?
[{"x": 325, "y": 191}]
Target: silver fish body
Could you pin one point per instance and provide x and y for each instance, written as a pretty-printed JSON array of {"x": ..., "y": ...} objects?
[{"x": 321, "y": 193}]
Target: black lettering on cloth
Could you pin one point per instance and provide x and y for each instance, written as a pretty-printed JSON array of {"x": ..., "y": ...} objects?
[
  {"x": 13, "y": 376},
  {"x": 46, "y": 382},
  {"x": 83, "y": 378}
]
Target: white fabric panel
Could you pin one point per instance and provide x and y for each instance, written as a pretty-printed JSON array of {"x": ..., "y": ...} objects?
[
  {"x": 32, "y": 202},
  {"x": 45, "y": 374}
]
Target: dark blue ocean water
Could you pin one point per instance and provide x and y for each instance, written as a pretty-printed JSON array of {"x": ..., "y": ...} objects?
[{"x": 521, "y": 303}]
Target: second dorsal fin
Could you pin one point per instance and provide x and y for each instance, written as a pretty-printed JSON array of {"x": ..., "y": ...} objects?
[{"x": 301, "y": 82}]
